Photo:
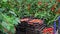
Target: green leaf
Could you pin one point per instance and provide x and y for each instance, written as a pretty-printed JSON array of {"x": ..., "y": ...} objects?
[{"x": 4, "y": 0}]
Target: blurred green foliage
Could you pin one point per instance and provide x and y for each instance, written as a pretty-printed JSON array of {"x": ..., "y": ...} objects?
[{"x": 12, "y": 10}]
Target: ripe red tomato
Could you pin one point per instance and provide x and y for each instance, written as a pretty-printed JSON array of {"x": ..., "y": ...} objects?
[
  {"x": 52, "y": 9},
  {"x": 49, "y": 30},
  {"x": 39, "y": 3}
]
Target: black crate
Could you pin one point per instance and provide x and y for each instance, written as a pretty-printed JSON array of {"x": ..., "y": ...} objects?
[
  {"x": 25, "y": 28},
  {"x": 35, "y": 29}
]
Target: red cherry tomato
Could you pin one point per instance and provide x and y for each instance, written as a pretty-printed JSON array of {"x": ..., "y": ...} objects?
[{"x": 52, "y": 8}]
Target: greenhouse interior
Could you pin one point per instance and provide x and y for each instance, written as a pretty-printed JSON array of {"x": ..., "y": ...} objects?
[{"x": 29, "y": 16}]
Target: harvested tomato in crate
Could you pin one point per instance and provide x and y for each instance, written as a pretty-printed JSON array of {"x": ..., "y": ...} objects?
[
  {"x": 48, "y": 30},
  {"x": 35, "y": 21}
]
